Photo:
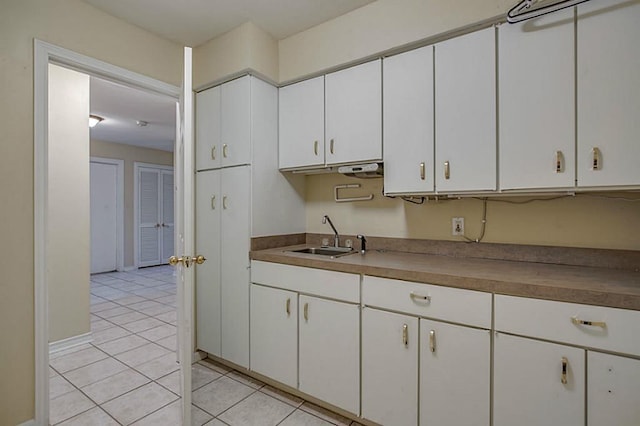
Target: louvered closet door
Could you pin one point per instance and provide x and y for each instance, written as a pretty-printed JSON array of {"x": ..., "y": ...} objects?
[
  {"x": 167, "y": 227},
  {"x": 149, "y": 217}
]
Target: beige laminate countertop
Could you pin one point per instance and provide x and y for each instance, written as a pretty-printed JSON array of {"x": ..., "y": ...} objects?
[{"x": 578, "y": 284}]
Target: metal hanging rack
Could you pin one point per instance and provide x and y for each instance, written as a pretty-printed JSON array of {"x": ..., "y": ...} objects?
[{"x": 524, "y": 11}]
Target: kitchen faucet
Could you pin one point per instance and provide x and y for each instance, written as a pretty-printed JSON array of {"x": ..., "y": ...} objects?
[{"x": 336, "y": 237}]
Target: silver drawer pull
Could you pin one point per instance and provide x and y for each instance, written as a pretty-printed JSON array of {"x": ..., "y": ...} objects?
[
  {"x": 287, "y": 306},
  {"x": 578, "y": 321},
  {"x": 405, "y": 334},
  {"x": 420, "y": 297},
  {"x": 563, "y": 375},
  {"x": 432, "y": 340}
]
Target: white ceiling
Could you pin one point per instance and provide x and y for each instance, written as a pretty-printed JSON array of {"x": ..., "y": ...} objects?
[
  {"x": 193, "y": 22},
  {"x": 122, "y": 106}
]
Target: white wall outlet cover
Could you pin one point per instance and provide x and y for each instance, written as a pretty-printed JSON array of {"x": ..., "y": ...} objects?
[{"x": 457, "y": 226}]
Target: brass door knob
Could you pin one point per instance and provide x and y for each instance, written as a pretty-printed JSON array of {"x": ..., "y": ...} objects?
[{"x": 186, "y": 260}]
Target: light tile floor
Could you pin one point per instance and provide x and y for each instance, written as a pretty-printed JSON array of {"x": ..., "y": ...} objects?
[{"x": 129, "y": 375}]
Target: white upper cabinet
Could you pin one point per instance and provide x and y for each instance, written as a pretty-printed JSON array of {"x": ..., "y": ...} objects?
[
  {"x": 223, "y": 125},
  {"x": 608, "y": 93},
  {"x": 235, "y": 114},
  {"x": 353, "y": 101},
  {"x": 208, "y": 146},
  {"x": 408, "y": 122},
  {"x": 301, "y": 120},
  {"x": 465, "y": 75},
  {"x": 537, "y": 109}
]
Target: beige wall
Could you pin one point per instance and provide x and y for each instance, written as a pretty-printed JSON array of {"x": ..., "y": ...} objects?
[
  {"x": 68, "y": 239},
  {"x": 579, "y": 221},
  {"x": 379, "y": 26},
  {"x": 78, "y": 26},
  {"x": 129, "y": 154},
  {"x": 243, "y": 48}
]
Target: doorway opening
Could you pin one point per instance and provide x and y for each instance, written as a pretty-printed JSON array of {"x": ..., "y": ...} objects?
[{"x": 46, "y": 54}]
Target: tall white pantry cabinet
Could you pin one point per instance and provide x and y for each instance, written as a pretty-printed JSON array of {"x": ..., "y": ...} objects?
[{"x": 240, "y": 194}]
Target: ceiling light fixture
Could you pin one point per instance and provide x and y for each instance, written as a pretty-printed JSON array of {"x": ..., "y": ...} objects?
[
  {"x": 142, "y": 123},
  {"x": 94, "y": 120}
]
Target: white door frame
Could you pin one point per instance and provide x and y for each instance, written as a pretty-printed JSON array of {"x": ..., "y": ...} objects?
[
  {"x": 119, "y": 206},
  {"x": 137, "y": 165},
  {"x": 45, "y": 53}
]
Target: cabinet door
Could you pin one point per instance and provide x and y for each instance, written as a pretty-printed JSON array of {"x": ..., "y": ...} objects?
[
  {"x": 466, "y": 113},
  {"x": 208, "y": 274},
  {"x": 329, "y": 352},
  {"x": 528, "y": 388},
  {"x": 408, "y": 122},
  {"x": 301, "y": 116},
  {"x": 455, "y": 371},
  {"x": 537, "y": 103},
  {"x": 235, "y": 117},
  {"x": 208, "y": 129},
  {"x": 354, "y": 114},
  {"x": 608, "y": 93},
  {"x": 613, "y": 392},
  {"x": 235, "y": 190},
  {"x": 389, "y": 368},
  {"x": 274, "y": 334}
]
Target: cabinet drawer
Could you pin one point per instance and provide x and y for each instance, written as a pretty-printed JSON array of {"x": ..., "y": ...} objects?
[
  {"x": 551, "y": 320},
  {"x": 432, "y": 301},
  {"x": 319, "y": 282}
]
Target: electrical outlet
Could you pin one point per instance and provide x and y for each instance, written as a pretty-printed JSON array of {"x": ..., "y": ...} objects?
[{"x": 457, "y": 226}]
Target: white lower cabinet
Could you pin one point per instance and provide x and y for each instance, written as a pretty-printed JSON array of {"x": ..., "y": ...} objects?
[
  {"x": 425, "y": 371},
  {"x": 613, "y": 390},
  {"x": 307, "y": 342},
  {"x": 455, "y": 371},
  {"x": 274, "y": 334},
  {"x": 330, "y": 351},
  {"x": 389, "y": 367},
  {"x": 537, "y": 383}
]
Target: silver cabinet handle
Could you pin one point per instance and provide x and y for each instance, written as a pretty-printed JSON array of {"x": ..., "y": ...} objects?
[
  {"x": 563, "y": 375},
  {"x": 213, "y": 202},
  {"x": 432, "y": 340},
  {"x": 288, "y": 306},
  {"x": 224, "y": 202},
  {"x": 578, "y": 321},
  {"x": 559, "y": 162},
  {"x": 315, "y": 147},
  {"x": 447, "y": 171},
  {"x": 213, "y": 153},
  {"x": 596, "y": 160},
  {"x": 306, "y": 312},
  {"x": 422, "y": 171},
  {"x": 419, "y": 297},
  {"x": 224, "y": 150},
  {"x": 405, "y": 334},
  {"x": 331, "y": 146}
]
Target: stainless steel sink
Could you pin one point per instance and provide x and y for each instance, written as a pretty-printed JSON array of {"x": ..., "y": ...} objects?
[{"x": 332, "y": 252}]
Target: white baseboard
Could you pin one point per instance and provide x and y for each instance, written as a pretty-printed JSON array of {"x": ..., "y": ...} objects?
[
  {"x": 70, "y": 342},
  {"x": 31, "y": 422},
  {"x": 198, "y": 356}
]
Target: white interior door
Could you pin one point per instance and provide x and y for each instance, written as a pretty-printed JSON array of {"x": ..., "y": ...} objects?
[
  {"x": 185, "y": 235},
  {"x": 103, "y": 217}
]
